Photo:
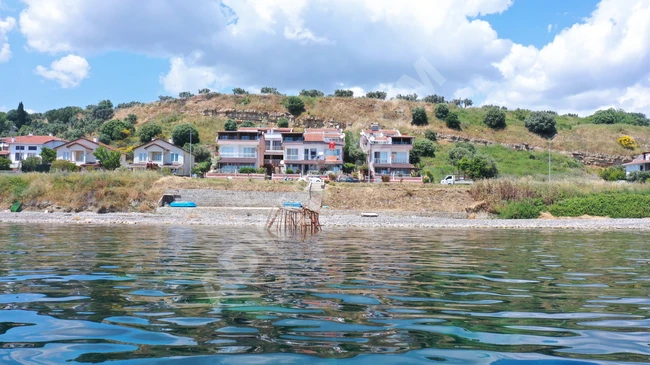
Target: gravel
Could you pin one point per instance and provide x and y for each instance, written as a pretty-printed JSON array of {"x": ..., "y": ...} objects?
[{"x": 251, "y": 216}]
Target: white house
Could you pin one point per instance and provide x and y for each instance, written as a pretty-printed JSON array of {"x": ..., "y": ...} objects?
[
  {"x": 641, "y": 163},
  {"x": 22, "y": 147},
  {"x": 162, "y": 154},
  {"x": 313, "y": 150},
  {"x": 81, "y": 152},
  {"x": 388, "y": 151}
]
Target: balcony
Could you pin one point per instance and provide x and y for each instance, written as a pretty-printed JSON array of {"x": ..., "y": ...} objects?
[
  {"x": 381, "y": 160},
  {"x": 238, "y": 155},
  {"x": 292, "y": 158}
]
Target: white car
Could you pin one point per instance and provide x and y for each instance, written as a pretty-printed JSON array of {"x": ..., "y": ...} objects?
[{"x": 313, "y": 179}]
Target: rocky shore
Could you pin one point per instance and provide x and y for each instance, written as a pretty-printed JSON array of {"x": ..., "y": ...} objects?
[{"x": 329, "y": 219}]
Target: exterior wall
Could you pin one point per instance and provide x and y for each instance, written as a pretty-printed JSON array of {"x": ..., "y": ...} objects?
[
  {"x": 24, "y": 150},
  {"x": 238, "y": 149},
  {"x": 638, "y": 167},
  {"x": 296, "y": 162},
  {"x": 146, "y": 153}
]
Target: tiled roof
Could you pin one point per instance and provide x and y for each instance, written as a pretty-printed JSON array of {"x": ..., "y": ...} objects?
[
  {"x": 34, "y": 139},
  {"x": 322, "y": 130},
  {"x": 78, "y": 140}
]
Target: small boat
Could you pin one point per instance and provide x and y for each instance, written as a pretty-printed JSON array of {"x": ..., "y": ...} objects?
[
  {"x": 292, "y": 205},
  {"x": 182, "y": 205}
]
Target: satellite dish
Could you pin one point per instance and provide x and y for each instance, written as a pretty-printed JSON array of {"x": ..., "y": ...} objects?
[
  {"x": 372, "y": 138},
  {"x": 282, "y": 162},
  {"x": 320, "y": 153}
]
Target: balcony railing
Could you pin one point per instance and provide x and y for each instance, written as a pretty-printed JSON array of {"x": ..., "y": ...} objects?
[
  {"x": 389, "y": 161},
  {"x": 292, "y": 157},
  {"x": 238, "y": 155},
  {"x": 400, "y": 160},
  {"x": 381, "y": 160}
]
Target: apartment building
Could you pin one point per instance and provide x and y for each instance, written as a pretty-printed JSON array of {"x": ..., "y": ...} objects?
[
  {"x": 237, "y": 149},
  {"x": 388, "y": 151},
  {"x": 314, "y": 150}
]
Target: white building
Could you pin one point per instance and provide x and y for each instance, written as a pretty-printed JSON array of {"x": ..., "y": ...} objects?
[
  {"x": 81, "y": 152},
  {"x": 315, "y": 150},
  {"x": 162, "y": 154},
  {"x": 388, "y": 151},
  {"x": 22, "y": 147},
  {"x": 641, "y": 163}
]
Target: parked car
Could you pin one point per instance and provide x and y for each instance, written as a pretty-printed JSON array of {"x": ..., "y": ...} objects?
[
  {"x": 453, "y": 180},
  {"x": 347, "y": 179},
  {"x": 312, "y": 179}
]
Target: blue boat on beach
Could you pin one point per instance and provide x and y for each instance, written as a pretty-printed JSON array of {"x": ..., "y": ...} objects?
[{"x": 182, "y": 205}]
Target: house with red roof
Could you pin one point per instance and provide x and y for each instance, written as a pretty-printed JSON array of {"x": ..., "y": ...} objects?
[
  {"x": 22, "y": 147},
  {"x": 641, "y": 163},
  {"x": 81, "y": 152},
  {"x": 314, "y": 150},
  {"x": 388, "y": 151}
]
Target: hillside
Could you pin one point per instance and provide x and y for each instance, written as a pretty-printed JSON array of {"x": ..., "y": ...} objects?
[{"x": 209, "y": 115}]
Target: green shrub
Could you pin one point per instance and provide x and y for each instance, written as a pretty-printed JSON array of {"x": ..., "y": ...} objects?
[
  {"x": 48, "y": 155},
  {"x": 428, "y": 177},
  {"x": 33, "y": 164},
  {"x": 283, "y": 123},
  {"x": 149, "y": 131},
  {"x": 421, "y": 148},
  {"x": 495, "y": 118},
  {"x": 639, "y": 176},
  {"x": 166, "y": 171},
  {"x": 294, "y": 105},
  {"x": 458, "y": 153},
  {"x": 312, "y": 93},
  {"x": 248, "y": 124},
  {"x": 523, "y": 209},
  {"x": 541, "y": 123},
  {"x": 521, "y": 114},
  {"x": 289, "y": 171},
  {"x": 442, "y": 110},
  {"x": 479, "y": 166},
  {"x": 614, "y": 173},
  {"x": 608, "y": 204},
  {"x": 63, "y": 165},
  {"x": 181, "y": 134},
  {"x": 344, "y": 93},
  {"x": 452, "y": 121},
  {"x": 239, "y": 91},
  {"x": 261, "y": 170},
  {"x": 431, "y": 135},
  {"x": 5, "y": 163},
  {"x": 381, "y": 95},
  {"x": 349, "y": 167},
  {"x": 247, "y": 170},
  {"x": 419, "y": 116},
  {"x": 230, "y": 125},
  {"x": 109, "y": 159}
]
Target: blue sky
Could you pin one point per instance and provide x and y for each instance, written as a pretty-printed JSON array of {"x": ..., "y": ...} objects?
[{"x": 522, "y": 53}]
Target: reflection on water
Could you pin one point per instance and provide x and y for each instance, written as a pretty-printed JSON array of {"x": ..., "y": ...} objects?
[{"x": 199, "y": 295}]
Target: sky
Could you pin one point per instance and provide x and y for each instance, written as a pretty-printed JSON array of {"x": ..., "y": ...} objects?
[{"x": 573, "y": 56}]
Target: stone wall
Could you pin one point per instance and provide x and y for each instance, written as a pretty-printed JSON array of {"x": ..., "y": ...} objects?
[
  {"x": 234, "y": 198},
  {"x": 305, "y": 121}
]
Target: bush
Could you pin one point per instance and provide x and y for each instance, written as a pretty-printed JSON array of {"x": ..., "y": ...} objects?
[
  {"x": 204, "y": 91},
  {"x": 201, "y": 153},
  {"x": 428, "y": 177},
  {"x": 261, "y": 170},
  {"x": 442, "y": 110},
  {"x": 166, "y": 171},
  {"x": 495, "y": 118},
  {"x": 230, "y": 125},
  {"x": 523, "y": 209},
  {"x": 109, "y": 160},
  {"x": 181, "y": 134},
  {"x": 312, "y": 93},
  {"x": 34, "y": 164},
  {"x": 343, "y": 93},
  {"x": 269, "y": 90},
  {"x": 115, "y": 130},
  {"x": 385, "y": 178},
  {"x": 627, "y": 142},
  {"x": 283, "y": 123},
  {"x": 381, "y": 95},
  {"x": 48, "y": 155},
  {"x": 202, "y": 167},
  {"x": 619, "y": 116},
  {"x": 63, "y": 165},
  {"x": 239, "y": 91},
  {"x": 419, "y": 116},
  {"x": 434, "y": 99},
  {"x": 541, "y": 123},
  {"x": 248, "y": 124},
  {"x": 247, "y": 170},
  {"x": 407, "y": 97},
  {"x": 294, "y": 105},
  {"x": 149, "y": 131},
  {"x": 609, "y": 204},
  {"x": 458, "y": 153},
  {"x": 614, "y": 173},
  {"x": 452, "y": 121},
  {"x": 521, "y": 114},
  {"x": 639, "y": 177},
  {"x": 421, "y": 148},
  {"x": 185, "y": 95},
  {"x": 479, "y": 166},
  {"x": 430, "y": 134},
  {"x": 289, "y": 171},
  {"x": 5, "y": 163}
]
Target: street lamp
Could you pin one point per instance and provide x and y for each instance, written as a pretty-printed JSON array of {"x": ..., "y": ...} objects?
[{"x": 549, "y": 157}]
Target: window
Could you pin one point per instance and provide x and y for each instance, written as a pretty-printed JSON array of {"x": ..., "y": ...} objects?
[
  {"x": 31, "y": 155},
  {"x": 156, "y": 156},
  {"x": 311, "y": 154},
  {"x": 400, "y": 157},
  {"x": 249, "y": 152},
  {"x": 292, "y": 153},
  {"x": 142, "y": 157},
  {"x": 20, "y": 148},
  {"x": 18, "y": 156},
  {"x": 381, "y": 157},
  {"x": 174, "y": 157},
  {"x": 31, "y": 148},
  {"x": 66, "y": 156},
  {"x": 227, "y": 152}
]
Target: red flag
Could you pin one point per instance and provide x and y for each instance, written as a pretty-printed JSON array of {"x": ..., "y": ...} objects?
[{"x": 332, "y": 145}]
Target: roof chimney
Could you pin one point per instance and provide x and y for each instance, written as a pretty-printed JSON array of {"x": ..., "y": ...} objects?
[
  {"x": 374, "y": 127},
  {"x": 13, "y": 139},
  {"x": 95, "y": 139},
  {"x": 50, "y": 134},
  {"x": 153, "y": 138},
  {"x": 171, "y": 141},
  {"x": 31, "y": 134}
]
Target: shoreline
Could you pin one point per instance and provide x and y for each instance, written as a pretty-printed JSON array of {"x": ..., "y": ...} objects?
[{"x": 256, "y": 217}]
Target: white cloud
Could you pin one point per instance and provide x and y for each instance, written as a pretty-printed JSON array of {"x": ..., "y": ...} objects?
[
  {"x": 6, "y": 26},
  {"x": 549, "y": 28},
  {"x": 68, "y": 71},
  {"x": 185, "y": 75}
]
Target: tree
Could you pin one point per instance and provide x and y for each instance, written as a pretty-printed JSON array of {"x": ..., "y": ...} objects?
[
  {"x": 467, "y": 103},
  {"x": 343, "y": 93},
  {"x": 239, "y": 91},
  {"x": 102, "y": 111},
  {"x": 452, "y": 121},
  {"x": 269, "y": 90},
  {"x": 495, "y": 118},
  {"x": 407, "y": 97},
  {"x": 313, "y": 93},
  {"x": 421, "y": 148},
  {"x": 204, "y": 91},
  {"x": 619, "y": 116},
  {"x": 283, "y": 123},
  {"x": 352, "y": 153},
  {"x": 442, "y": 110},
  {"x": 19, "y": 116},
  {"x": 185, "y": 95},
  {"x": 5, "y": 124},
  {"x": 248, "y": 124},
  {"x": 294, "y": 105},
  {"x": 434, "y": 99},
  {"x": 116, "y": 130},
  {"x": 541, "y": 123},
  {"x": 457, "y": 102},
  {"x": 109, "y": 160},
  {"x": 430, "y": 134},
  {"x": 201, "y": 152},
  {"x": 419, "y": 116},
  {"x": 164, "y": 98},
  {"x": 5, "y": 163},
  {"x": 31, "y": 164},
  {"x": 521, "y": 114},
  {"x": 149, "y": 131},
  {"x": 614, "y": 173},
  {"x": 479, "y": 166},
  {"x": 131, "y": 119},
  {"x": 230, "y": 125},
  {"x": 381, "y": 95},
  {"x": 181, "y": 134},
  {"x": 48, "y": 155},
  {"x": 458, "y": 153}
]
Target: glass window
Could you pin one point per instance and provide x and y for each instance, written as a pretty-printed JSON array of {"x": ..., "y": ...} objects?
[
  {"x": 31, "y": 148},
  {"x": 174, "y": 157},
  {"x": 156, "y": 156},
  {"x": 292, "y": 153},
  {"x": 18, "y": 156},
  {"x": 20, "y": 148},
  {"x": 66, "y": 156},
  {"x": 227, "y": 152},
  {"x": 142, "y": 157},
  {"x": 249, "y": 152}
]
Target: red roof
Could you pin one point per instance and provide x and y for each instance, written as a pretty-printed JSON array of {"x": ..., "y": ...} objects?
[
  {"x": 320, "y": 137},
  {"x": 322, "y": 130},
  {"x": 33, "y": 139},
  {"x": 76, "y": 141}
]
